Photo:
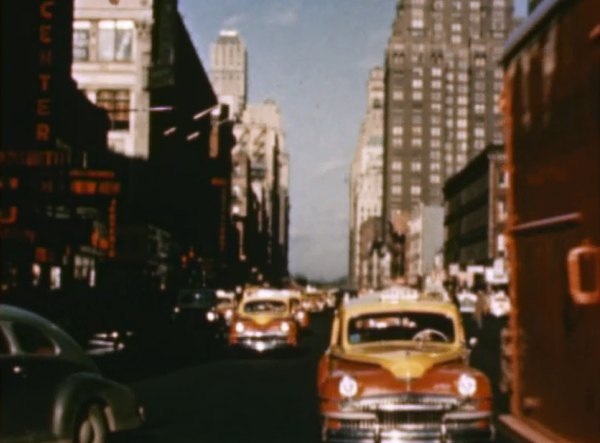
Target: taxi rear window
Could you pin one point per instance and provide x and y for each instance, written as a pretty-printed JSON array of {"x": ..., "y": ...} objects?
[{"x": 401, "y": 326}]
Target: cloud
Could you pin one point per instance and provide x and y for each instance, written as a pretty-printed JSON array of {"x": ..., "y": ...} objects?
[
  {"x": 234, "y": 20},
  {"x": 282, "y": 17}
]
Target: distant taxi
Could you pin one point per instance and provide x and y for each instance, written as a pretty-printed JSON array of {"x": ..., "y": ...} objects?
[
  {"x": 300, "y": 314},
  {"x": 263, "y": 323},
  {"x": 397, "y": 370}
]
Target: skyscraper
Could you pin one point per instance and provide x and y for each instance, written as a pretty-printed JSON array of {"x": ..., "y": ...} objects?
[
  {"x": 229, "y": 70},
  {"x": 366, "y": 179},
  {"x": 442, "y": 84}
]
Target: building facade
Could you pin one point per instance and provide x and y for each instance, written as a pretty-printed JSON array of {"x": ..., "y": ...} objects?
[
  {"x": 425, "y": 241},
  {"x": 442, "y": 85},
  {"x": 260, "y": 137},
  {"x": 366, "y": 180},
  {"x": 475, "y": 210},
  {"x": 55, "y": 217},
  {"x": 112, "y": 47},
  {"x": 229, "y": 70}
]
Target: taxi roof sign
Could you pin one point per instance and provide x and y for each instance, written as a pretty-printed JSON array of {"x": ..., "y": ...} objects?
[{"x": 397, "y": 294}]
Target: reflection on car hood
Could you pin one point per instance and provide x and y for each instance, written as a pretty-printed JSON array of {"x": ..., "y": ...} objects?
[
  {"x": 263, "y": 319},
  {"x": 405, "y": 361}
]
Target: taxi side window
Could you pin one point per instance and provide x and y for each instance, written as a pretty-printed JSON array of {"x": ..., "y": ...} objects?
[
  {"x": 32, "y": 340},
  {"x": 4, "y": 345}
]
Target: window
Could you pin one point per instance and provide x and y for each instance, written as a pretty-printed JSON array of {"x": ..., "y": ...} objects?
[
  {"x": 436, "y": 84},
  {"x": 415, "y": 190},
  {"x": 417, "y": 23},
  {"x": 397, "y": 130},
  {"x": 435, "y": 179},
  {"x": 436, "y": 131},
  {"x": 81, "y": 41},
  {"x": 415, "y": 166},
  {"x": 116, "y": 102},
  {"x": 396, "y": 190},
  {"x": 398, "y": 95},
  {"x": 396, "y": 166},
  {"x": 417, "y": 95},
  {"x": 417, "y": 83},
  {"x": 436, "y": 72},
  {"x": 32, "y": 341},
  {"x": 502, "y": 213},
  {"x": 115, "y": 40}
]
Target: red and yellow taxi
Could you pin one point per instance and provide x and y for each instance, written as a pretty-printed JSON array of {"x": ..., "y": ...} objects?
[
  {"x": 264, "y": 322},
  {"x": 397, "y": 370}
]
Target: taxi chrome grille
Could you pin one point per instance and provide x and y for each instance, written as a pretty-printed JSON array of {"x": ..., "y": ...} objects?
[
  {"x": 407, "y": 411},
  {"x": 373, "y": 404}
]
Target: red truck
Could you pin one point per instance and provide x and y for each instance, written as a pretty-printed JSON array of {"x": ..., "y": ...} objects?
[{"x": 551, "y": 106}]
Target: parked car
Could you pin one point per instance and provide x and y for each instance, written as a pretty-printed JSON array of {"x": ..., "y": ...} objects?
[
  {"x": 397, "y": 370},
  {"x": 51, "y": 390},
  {"x": 264, "y": 323}
]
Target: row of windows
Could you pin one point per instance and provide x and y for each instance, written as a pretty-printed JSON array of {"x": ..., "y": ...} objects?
[
  {"x": 117, "y": 104},
  {"x": 114, "y": 43}
]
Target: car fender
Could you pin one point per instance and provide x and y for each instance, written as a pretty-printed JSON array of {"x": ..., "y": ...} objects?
[{"x": 82, "y": 389}]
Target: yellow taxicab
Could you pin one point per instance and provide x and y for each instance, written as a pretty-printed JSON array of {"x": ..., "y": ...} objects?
[
  {"x": 263, "y": 323},
  {"x": 397, "y": 370}
]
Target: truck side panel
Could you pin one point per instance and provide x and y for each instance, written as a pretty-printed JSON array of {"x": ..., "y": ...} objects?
[{"x": 552, "y": 110}]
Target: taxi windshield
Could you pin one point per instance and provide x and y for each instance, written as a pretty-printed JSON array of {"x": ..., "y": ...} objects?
[
  {"x": 265, "y": 306},
  {"x": 401, "y": 326}
]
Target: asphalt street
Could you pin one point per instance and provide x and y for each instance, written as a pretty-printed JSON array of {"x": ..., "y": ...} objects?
[{"x": 193, "y": 393}]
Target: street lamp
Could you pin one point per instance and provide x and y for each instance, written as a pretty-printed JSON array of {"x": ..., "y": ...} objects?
[{"x": 201, "y": 114}]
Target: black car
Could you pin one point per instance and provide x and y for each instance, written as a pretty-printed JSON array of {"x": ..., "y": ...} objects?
[
  {"x": 51, "y": 390},
  {"x": 196, "y": 310}
]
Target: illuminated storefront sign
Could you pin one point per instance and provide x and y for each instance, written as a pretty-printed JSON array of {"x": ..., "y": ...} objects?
[
  {"x": 94, "y": 182},
  {"x": 112, "y": 228},
  {"x": 43, "y": 105}
]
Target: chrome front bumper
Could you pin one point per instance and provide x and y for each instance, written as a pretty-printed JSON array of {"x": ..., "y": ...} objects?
[
  {"x": 262, "y": 341},
  {"x": 364, "y": 427}
]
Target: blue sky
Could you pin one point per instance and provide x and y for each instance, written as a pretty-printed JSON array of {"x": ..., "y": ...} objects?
[{"x": 312, "y": 57}]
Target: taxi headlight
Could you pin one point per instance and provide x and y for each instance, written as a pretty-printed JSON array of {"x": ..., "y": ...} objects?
[
  {"x": 228, "y": 314},
  {"x": 211, "y": 316},
  {"x": 348, "y": 386},
  {"x": 301, "y": 314},
  {"x": 285, "y": 327},
  {"x": 467, "y": 385},
  {"x": 239, "y": 327}
]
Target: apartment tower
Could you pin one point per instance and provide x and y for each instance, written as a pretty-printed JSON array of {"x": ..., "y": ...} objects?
[
  {"x": 442, "y": 86},
  {"x": 229, "y": 71}
]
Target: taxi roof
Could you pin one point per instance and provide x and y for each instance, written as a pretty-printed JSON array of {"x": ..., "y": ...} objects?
[{"x": 404, "y": 298}]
